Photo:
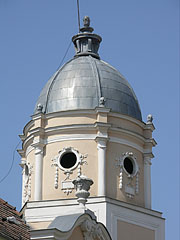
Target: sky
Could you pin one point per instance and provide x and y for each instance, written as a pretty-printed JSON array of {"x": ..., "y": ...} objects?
[{"x": 140, "y": 39}]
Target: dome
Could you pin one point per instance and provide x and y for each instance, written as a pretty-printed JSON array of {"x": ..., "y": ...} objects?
[
  {"x": 86, "y": 82},
  {"x": 82, "y": 83}
]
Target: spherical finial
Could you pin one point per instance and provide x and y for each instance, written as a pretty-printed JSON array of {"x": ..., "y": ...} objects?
[
  {"x": 86, "y": 21},
  {"x": 39, "y": 107},
  {"x": 149, "y": 118},
  {"x": 102, "y": 102}
]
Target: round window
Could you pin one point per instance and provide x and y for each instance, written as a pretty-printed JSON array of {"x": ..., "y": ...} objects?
[
  {"x": 68, "y": 160},
  {"x": 128, "y": 165}
]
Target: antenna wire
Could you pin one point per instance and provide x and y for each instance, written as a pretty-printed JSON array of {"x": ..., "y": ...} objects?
[{"x": 78, "y": 15}]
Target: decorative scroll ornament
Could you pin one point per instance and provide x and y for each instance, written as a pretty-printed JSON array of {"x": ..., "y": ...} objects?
[
  {"x": 121, "y": 178},
  {"x": 66, "y": 184},
  {"x": 129, "y": 187},
  {"x": 91, "y": 230},
  {"x": 137, "y": 183},
  {"x": 27, "y": 172}
]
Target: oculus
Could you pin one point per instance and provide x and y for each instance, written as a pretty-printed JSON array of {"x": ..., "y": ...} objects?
[
  {"x": 130, "y": 169},
  {"x": 128, "y": 165},
  {"x": 68, "y": 160}
]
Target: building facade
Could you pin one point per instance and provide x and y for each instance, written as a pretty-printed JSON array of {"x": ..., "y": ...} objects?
[{"x": 87, "y": 128}]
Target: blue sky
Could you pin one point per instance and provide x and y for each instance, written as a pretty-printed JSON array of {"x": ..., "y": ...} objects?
[{"x": 140, "y": 39}]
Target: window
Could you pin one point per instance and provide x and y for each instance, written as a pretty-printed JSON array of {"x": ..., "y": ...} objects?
[
  {"x": 128, "y": 165},
  {"x": 68, "y": 160}
]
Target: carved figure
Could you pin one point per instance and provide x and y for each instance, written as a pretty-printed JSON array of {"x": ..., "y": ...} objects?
[
  {"x": 149, "y": 118},
  {"x": 102, "y": 101},
  {"x": 86, "y": 21}
]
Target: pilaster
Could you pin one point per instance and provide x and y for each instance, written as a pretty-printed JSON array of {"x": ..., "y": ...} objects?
[
  {"x": 39, "y": 150},
  {"x": 147, "y": 180},
  {"x": 101, "y": 146}
]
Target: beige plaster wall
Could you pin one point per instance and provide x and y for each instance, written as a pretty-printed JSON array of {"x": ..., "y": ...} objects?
[
  {"x": 125, "y": 124},
  {"x": 128, "y": 231},
  {"x": 69, "y": 120},
  {"x": 76, "y": 234},
  {"x": 128, "y": 137}
]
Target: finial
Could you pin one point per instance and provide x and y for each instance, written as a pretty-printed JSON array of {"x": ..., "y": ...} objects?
[
  {"x": 149, "y": 118},
  {"x": 82, "y": 185},
  {"x": 102, "y": 102},
  {"x": 86, "y": 27},
  {"x": 86, "y": 21},
  {"x": 39, "y": 108},
  {"x": 86, "y": 42}
]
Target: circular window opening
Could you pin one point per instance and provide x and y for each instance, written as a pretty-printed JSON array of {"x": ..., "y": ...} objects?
[
  {"x": 128, "y": 165},
  {"x": 68, "y": 160}
]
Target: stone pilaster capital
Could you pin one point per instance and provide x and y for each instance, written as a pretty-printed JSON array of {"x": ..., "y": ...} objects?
[
  {"x": 38, "y": 147},
  {"x": 102, "y": 142},
  {"x": 147, "y": 158}
]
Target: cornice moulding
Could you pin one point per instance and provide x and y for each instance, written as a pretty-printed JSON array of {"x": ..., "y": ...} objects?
[
  {"x": 126, "y": 142},
  {"x": 27, "y": 127},
  {"x": 125, "y": 117},
  {"x": 37, "y": 130},
  {"x": 69, "y": 113},
  {"x": 102, "y": 125},
  {"x": 148, "y": 155},
  {"x": 149, "y": 126},
  {"x": 151, "y": 141},
  {"x": 38, "y": 116},
  {"x": 83, "y": 137},
  {"x": 128, "y": 132},
  {"x": 26, "y": 142},
  {"x": 102, "y": 110},
  {"x": 91, "y": 200},
  {"x": 22, "y": 137},
  {"x": 21, "y": 152},
  {"x": 65, "y": 128}
]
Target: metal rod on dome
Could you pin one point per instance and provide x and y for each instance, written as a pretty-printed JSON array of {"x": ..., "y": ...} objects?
[{"x": 78, "y": 14}]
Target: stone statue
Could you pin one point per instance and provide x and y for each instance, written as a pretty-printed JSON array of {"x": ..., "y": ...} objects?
[
  {"x": 86, "y": 21},
  {"x": 102, "y": 101},
  {"x": 149, "y": 118}
]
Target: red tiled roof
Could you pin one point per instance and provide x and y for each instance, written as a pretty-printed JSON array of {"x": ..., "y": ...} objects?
[{"x": 12, "y": 230}]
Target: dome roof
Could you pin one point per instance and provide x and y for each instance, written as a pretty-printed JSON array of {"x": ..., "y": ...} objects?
[
  {"x": 82, "y": 83},
  {"x": 86, "y": 82}
]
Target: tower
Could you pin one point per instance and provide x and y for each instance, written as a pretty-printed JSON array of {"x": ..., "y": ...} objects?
[{"x": 87, "y": 121}]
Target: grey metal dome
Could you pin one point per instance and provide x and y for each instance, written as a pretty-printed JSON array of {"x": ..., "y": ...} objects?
[{"x": 86, "y": 82}]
